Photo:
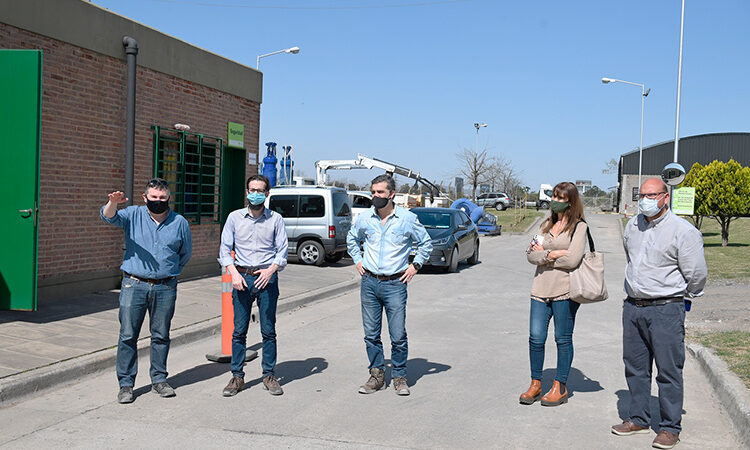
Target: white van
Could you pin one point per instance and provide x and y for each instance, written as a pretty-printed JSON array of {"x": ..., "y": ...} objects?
[{"x": 317, "y": 220}]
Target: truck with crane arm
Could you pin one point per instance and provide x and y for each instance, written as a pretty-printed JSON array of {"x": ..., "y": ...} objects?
[{"x": 365, "y": 162}]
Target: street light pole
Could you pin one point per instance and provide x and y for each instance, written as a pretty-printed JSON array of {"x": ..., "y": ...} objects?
[
  {"x": 293, "y": 50},
  {"x": 679, "y": 86},
  {"x": 478, "y": 125},
  {"x": 644, "y": 94}
]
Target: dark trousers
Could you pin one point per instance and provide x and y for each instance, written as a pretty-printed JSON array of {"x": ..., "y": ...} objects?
[{"x": 654, "y": 334}]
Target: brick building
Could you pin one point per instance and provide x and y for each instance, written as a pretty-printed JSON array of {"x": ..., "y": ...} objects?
[{"x": 83, "y": 135}]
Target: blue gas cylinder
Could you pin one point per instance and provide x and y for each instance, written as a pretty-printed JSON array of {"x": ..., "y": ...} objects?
[{"x": 269, "y": 163}]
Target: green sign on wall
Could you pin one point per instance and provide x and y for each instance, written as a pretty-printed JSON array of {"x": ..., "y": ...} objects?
[
  {"x": 235, "y": 135},
  {"x": 683, "y": 201}
]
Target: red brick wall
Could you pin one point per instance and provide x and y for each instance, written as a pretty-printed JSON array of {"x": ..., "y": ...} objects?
[{"x": 83, "y": 147}]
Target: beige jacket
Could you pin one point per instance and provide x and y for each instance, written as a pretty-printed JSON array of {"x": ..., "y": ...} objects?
[{"x": 552, "y": 278}]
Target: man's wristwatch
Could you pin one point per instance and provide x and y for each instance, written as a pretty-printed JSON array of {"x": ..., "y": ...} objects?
[{"x": 417, "y": 265}]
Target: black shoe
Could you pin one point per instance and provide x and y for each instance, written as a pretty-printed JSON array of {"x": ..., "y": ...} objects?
[
  {"x": 125, "y": 395},
  {"x": 234, "y": 386},
  {"x": 163, "y": 389}
]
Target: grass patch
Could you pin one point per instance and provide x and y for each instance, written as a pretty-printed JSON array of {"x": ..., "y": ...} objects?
[
  {"x": 730, "y": 261},
  {"x": 725, "y": 262},
  {"x": 734, "y": 348},
  {"x": 515, "y": 220}
]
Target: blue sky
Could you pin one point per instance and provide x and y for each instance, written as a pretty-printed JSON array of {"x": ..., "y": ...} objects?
[{"x": 404, "y": 81}]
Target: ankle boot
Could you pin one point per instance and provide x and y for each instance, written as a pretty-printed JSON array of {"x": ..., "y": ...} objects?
[
  {"x": 556, "y": 396},
  {"x": 532, "y": 394}
]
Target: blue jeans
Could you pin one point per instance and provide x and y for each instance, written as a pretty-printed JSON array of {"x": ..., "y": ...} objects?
[
  {"x": 391, "y": 295},
  {"x": 242, "y": 301},
  {"x": 137, "y": 297},
  {"x": 654, "y": 334},
  {"x": 564, "y": 313}
]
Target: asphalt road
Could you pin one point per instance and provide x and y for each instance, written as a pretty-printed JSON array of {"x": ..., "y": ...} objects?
[{"x": 468, "y": 362}]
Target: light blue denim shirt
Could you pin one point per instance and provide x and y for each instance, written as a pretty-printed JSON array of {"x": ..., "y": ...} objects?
[
  {"x": 256, "y": 242},
  {"x": 387, "y": 247},
  {"x": 151, "y": 250}
]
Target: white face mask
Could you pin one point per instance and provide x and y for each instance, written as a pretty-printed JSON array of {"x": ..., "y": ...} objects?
[{"x": 649, "y": 206}]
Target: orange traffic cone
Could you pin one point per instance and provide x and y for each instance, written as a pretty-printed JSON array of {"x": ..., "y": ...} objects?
[{"x": 227, "y": 324}]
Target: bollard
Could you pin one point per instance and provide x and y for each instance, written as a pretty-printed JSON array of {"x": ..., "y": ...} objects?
[{"x": 227, "y": 324}]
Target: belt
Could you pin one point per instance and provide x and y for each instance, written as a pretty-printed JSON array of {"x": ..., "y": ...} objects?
[
  {"x": 654, "y": 301},
  {"x": 395, "y": 276},
  {"x": 150, "y": 280},
  {"x": 249, "y": 270}
]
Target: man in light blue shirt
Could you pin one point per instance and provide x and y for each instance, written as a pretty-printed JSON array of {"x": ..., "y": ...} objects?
[
  {"x": 388, "y": 232},
  {"x": 158, "y": 244},
  {"x": 258, "y": 237}
]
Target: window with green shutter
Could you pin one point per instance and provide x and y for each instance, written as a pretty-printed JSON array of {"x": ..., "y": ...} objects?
[{"x": 191, "y": 163}]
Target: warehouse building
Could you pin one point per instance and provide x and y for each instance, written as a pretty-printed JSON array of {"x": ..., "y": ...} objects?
[
  {"x": 73, "y": 75},
  {"x": 702, "y": 148}
]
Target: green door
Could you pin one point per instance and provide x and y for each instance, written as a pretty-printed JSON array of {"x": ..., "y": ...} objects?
[
  {"x": 232, "y": 181},
  {"x": 20, "y": 112}
]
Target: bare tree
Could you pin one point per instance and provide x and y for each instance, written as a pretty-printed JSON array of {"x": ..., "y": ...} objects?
[
  {"x": 610, "y": 166},
  {"x": 502, "y": 176},
  {"x": 474, "y": 167}
]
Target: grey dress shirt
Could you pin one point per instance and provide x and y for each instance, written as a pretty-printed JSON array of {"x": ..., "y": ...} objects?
[
  {"x": 256, "y": 242},
  {"x": 665, "y": 258}
]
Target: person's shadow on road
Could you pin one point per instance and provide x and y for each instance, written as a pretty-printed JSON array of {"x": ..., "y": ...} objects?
[
  {"x": 577, "y": 382},
  {"x": 419, "y": 367},
  {"x": 288, "y": 371}
]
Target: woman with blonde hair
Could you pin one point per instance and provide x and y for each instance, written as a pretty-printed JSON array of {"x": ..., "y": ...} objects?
[{"x": 556, "y": 250}]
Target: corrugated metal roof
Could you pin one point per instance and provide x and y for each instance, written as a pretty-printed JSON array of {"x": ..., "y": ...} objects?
[{"x": 702, "y": 148}]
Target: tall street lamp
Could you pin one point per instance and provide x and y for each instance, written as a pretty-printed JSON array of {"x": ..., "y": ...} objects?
[
  {"x": 478, "y": 125},
  {"x": 293, "y": 50},
  {"x": 644, "y": 94}
]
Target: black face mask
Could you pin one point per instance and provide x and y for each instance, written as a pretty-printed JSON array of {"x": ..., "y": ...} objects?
[
  {"x": 157, "y": 206},
  {"x": 380, "y": 202}
]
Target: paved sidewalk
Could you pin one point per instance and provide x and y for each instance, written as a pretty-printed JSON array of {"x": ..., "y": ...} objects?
[{"x": 69, "y": 328}]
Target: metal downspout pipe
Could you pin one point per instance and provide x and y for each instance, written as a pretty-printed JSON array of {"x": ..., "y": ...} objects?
[{"x": 131, "y": 50}]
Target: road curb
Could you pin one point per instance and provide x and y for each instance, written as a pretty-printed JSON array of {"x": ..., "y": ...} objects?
[
  {"x": 536, "y": 221},
  {"x": 731, "y": 391},
  {"x": 19, "y": 386}
]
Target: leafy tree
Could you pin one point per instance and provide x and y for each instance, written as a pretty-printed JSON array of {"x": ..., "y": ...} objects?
[
  {"x": 594, "y": 191},
  {"x": 722, "y": 192},
  {"x": 690, "y": 180}
]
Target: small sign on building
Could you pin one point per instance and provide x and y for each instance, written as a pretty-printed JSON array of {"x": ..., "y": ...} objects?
[
  {"x": 635, "y": 194},
  {"x": 683, "y": 201},
  {"x": 235, "y": 135}
]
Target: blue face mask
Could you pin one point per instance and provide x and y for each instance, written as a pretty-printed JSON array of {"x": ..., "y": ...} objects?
[
  {"x": 256, "y": 198},
  {"x": 649, "y": 206}
]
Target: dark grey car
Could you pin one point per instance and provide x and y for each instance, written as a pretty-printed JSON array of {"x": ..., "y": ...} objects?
[{"x": 454, "y": 236}]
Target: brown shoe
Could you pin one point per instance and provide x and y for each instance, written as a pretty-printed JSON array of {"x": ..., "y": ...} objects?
[
  {"x": 556, "y": 396},
  {"x": 665, "y": 439},
  {"x": 271, "y": 384},
  {"x": 375, "y": 383},
  {"x": 533, "y": 394},
  {"x": 627, "y": 428},
  {"x": 235, "y": 385},
  {"x": 399, "y": 384}
]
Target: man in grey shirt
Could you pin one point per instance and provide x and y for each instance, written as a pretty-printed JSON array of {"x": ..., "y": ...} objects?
[
  {"x": 258, "y": 237},
  {"x": 666, "y": 265}
]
